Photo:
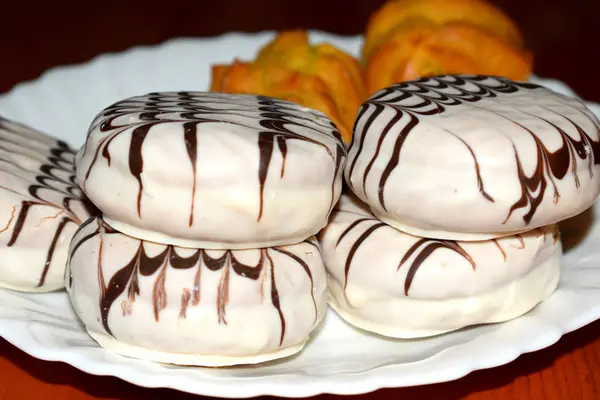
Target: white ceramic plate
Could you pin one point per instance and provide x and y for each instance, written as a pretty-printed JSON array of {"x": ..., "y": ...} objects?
[{"x": 340, "y": 359}]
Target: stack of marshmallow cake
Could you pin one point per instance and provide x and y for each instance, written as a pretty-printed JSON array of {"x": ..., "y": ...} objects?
[
  {"x": 200, "y": 247},
  {"x": 205, "y": 251},
  {"x": 456, "y": 184},
  {"x": 41, "y": 207}
]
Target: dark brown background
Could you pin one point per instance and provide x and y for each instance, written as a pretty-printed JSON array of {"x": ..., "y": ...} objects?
[{"x": 35, "y": 37}]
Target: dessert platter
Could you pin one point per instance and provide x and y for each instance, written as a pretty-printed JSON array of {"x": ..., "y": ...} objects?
[{"x": 296, "y": 213}]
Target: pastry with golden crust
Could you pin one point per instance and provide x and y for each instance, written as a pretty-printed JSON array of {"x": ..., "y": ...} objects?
[
  {"x": 319, "y": 76},
  {"x": 410, "y": 39}
]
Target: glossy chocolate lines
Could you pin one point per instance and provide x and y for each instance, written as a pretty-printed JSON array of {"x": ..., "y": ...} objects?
[
  {"x": 400, "y": 110},
  {"x": 275, "y": 299},
  {"x": 223, "y": 295},
  {"x": 314, "y": 243},
  {"x": 265, "y": 146},
  {"x": 395, "y": 159},
  {"x": 159, "y": 295},
  {"x": 425, "y": 248},
  {"x": 550, "y": 165},
  {"x": 281, "y": 143},
  {"x": 395, "y": 119},
  {"x": 100, "y": 267},
  {"x": 196, "y": 287},
  {"x": 156, "y": 267},
  {"x": 50, "y": 253},
  {"x": 414, "y": 257},
  {"x": 273, "y": 120},
  {"x": 304, "y": 265},
  {"x": 116, "y": 286},
  {"x": 433, "y": 95},
  {"x": 355, "y": 246},
  {"x": 276, "y": 120},
  {"x": 351, "y": 227},
  {"x": 185, "y": 302},
  {"x": 521, "y": 241},
  {"x": 499, "y": 246},
  {"x": 191, "y": 145},
  {"x": 248, "y": 271},
  {"x": 136, "y": 160},
  {"x": 340, "y": 154},
  {"x": 378, "y": 109}
]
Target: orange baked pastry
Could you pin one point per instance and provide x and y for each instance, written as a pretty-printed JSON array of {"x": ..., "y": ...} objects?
[
  {"x": 321, "y": 77},
  {"x": 408, "y": 39}
]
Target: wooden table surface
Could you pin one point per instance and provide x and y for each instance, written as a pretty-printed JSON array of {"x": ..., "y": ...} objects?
[{"x": 562, "y": 34}]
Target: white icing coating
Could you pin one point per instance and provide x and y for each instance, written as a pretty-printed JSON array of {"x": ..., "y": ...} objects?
[
  {"x": 395, "y": 284},
  {"x": 472, "y": 158},
  {"x": 213, "y": 170},
  {"x": 130, "y": 350},
  {"x": 40, "y": 208},
  {"x": 191, "y": 306}
]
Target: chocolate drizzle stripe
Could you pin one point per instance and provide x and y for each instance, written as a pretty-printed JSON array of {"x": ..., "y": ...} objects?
[
  {"x": 159, "y": 296},
  {"x": 283, "y": 150},
  {"x": 378, "y": 109},
  {"x": 364, "y": 236},
  {"x": 275, "y": 121},
  {"x": 101, "y": 282},
  {"x": 350, "y": 228},
  {"x": 550, "y": 165},
  {"x": 336, "y": 172},
  {"x": 521, "y": 241},
  {"x": 427, "y": 247},
  {"x": 314, "y": 243},
  {"x": 191, "y": 144},
  {"x": 495, "y": 241},
  {"x": 185, "y": 302},
  {"x": 434, "y": 95},
  {"x": 397, "y": 117},
  {"x": 116, "y": 286},
  {"x": 51, "y": 250},
  {"x": 395, "y": 159},
  {"x": 265, "y": 144},
  {"x": 275, "y": 300},
  {"x": 126, "y": 280},
  {"x": 20, "y": 222},
  {"x": 136, "y": 160},
  {"x": 308, "y": 273},
  {"x": 223, "y": 295},
  {"x": 197, "y": 289}
]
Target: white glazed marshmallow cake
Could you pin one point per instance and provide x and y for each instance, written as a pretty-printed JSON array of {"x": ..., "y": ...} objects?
[
  {"x": 193, "y": 306},
  {"x": 473, "y": 157},
  {"x": 398, "y": 285},
  {"x": 213, "y": 170},
  {"x": 41, "y": 206}
]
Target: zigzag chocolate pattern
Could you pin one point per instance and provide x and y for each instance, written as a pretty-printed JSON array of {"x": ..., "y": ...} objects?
[
  {"x": 54, "y": 176},
  {"x": 126, "y": 279},
  {"x": 434, "y": 95},
  {"x": 271, "y": 117}
]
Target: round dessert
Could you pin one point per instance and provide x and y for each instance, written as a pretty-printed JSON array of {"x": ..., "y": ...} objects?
[
  {"x": 398, "y": 285},
  {"x": 474, "y": 157},
  {"x": 40, "y": 208},
  {"x": 194, "y": 306},
  {"x": 213, "y": 170}
]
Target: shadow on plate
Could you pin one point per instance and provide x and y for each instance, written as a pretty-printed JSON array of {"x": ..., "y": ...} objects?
[{"x": 575, "y": 229}]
